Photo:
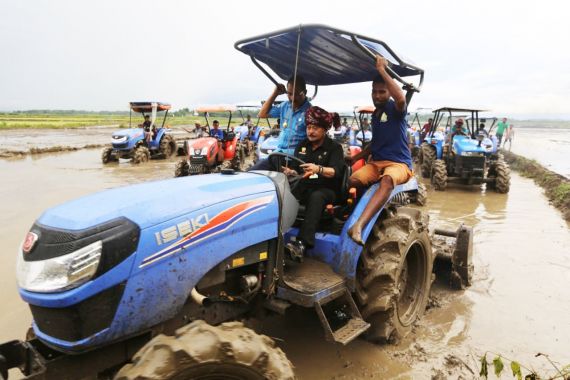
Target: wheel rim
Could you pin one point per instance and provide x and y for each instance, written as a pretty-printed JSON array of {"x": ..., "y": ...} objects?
[{"x": 411, "y": 284}]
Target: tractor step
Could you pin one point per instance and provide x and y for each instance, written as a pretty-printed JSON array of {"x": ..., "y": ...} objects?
[{"x": 314, "y": 284}]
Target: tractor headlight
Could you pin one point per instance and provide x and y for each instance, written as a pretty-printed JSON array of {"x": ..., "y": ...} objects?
[
  {"x": 197, "y": 152},
  {"x": 120, "y": 139},
  {"x": 191, "y": 151},
  {"x": 59, "y": 273}
]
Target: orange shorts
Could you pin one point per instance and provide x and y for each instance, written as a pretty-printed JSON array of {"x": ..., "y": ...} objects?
[{"x": 373, "y": 171}]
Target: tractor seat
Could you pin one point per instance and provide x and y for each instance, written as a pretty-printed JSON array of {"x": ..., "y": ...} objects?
[{"x": 229, "y": 136}]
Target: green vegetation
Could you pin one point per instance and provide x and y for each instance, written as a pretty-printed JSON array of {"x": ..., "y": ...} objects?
[
  {"x": 79, "y": 119},
  {"x": 557, "y": 187},
  {"x": 562, "y": 373}
]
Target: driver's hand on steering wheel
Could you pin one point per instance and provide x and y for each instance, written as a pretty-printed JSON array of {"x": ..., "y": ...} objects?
[
  {"x": 310, "y": 169},
  {"x": 289, "y": 172}
]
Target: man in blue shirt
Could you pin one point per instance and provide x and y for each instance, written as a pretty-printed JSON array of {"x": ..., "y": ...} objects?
[
  {"x": 291, "y": 114},
  {"x": 391, "y": 162}
]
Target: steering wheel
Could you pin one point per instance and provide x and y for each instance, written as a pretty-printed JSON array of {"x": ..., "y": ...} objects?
[{"x": 293, "y": 180}]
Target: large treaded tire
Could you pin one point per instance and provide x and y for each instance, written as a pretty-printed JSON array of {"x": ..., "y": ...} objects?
[
  {"x": 238, "y": 163},
  {"x": 439, "y": 175},
  {"x": 181, "y": 169},
  {"x": 107, "y": 155},
  {"x": 394, "y": 274},
  {"x": 420, "y": 198},
  {"x": 502, "y": 174},
  {"x": 428, "y": 156},
  {"x": 142, "y": 154},
  {"x": 167, "y": 146},
  {"x": 202, "y": 351}
]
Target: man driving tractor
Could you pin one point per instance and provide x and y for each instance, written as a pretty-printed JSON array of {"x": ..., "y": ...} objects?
[
  {"x": 321, "y": 175},
  {"x": 391, "y": 159}
]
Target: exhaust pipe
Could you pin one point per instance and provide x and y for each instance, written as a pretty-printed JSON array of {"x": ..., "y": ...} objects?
[{"x": 200, "y": 299}]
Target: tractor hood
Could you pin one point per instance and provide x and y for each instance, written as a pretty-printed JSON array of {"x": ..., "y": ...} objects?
[
  {"x": 131, "y": 132},
  {"x": 463, "y": 144},
  {"x": 150, "y": 203}
]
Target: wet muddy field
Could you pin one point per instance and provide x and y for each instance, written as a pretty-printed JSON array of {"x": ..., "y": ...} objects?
[{"x": 518, "y": 306}]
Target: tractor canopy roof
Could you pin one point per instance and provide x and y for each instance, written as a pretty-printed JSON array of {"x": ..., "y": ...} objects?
[
  {"x": 364, "y": 109},
  {"x": 327, "y": 56},
  {"x": 454, "y": 109},
  {"x": 147, "y": 106},
  {"x": 217, "y": 108}
]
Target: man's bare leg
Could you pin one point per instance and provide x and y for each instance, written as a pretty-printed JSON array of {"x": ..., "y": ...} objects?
[{"x": 377, "y": 200}]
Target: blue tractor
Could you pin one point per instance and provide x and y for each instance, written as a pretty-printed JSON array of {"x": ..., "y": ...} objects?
[
  {"x": 468, "y": 155},
  {"x": 122, "y": 284},
  {"x": 132, "y": 144}
]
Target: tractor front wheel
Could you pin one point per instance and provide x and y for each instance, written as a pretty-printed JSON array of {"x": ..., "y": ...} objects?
[
  {"x": 202, "y": 351},
  {"x": 393, "y": 277},
  {"x": 107, "y": 155},
  {"x": 181, "y": 169}
]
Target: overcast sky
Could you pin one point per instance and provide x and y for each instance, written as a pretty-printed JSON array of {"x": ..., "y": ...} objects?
[{"x": 509, "y": 56}]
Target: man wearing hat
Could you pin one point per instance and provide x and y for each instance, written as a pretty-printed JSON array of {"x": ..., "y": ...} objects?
[
  {"x": 458, "y": 129},
  {"x": 321, "y": 175}
]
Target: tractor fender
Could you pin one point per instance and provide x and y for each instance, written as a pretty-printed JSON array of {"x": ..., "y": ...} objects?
[
  {"x": 346, "y": 252},
  {"x": 230, "y": 148}
]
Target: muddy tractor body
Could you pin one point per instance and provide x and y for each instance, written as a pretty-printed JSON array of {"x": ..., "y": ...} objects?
[
  {"x": 202, "y": 154},
  {"x": 468, "y": 158},
  {"x": 121, "y": 280},
  {"x": 131, "y": 143}
]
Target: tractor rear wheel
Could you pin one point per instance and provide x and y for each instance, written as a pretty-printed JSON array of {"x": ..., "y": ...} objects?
[
  {"x": 428, "y": 156},
  {"x": 439, "y": 175},
  {"x": 202, "y": 351},
  {"x": 420, "y": 197},
  {"x": 167, "y": 146},
  {"x": 502, "y": 174},
  {"x": 238, "y": 162},
  {"x": 393, "y": 277},
  {"x": 181, "y": 169},
  {"x": 142, "y": 154}
]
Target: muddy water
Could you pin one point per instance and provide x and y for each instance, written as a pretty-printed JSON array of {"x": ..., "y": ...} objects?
[{"x": 518, "y": 305}]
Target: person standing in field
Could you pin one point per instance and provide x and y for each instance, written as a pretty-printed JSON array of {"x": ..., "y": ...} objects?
[
  {"x": 509, "y": 136},
  {"x": 501, "y": 127}
]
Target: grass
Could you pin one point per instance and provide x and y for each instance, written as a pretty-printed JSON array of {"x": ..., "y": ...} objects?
[
  {"x": 74, "y": 120},
  {"x": 556, "y": 186}
]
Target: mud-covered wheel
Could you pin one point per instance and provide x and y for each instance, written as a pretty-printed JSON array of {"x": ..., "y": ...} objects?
[
  {"x": 107, "y": 155},
  {"x": 439, "y": 175},
  {"x": 181, "y": 169},
  {"x": 428, "y": 156},
  {"x": 142, "y": 154},
  {"x": 238, "y": 163},
  {"x": 202, "y": 351},
  {"x": 502, "y": 174},
  {"x": 393, "y": 277},
  {"x": 167, "y": 146},
  {"x": 420, "y": 197}
]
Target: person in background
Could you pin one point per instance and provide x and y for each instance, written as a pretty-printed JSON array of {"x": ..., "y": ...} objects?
[
  {"x": 501, "y": 127},
  {"x": 425, "y": 129},
  {"x": 199, "y": 129},
  {"x": 509, "y": 137},
  {"x": 146, "y": 125},
  {"x": 482, "y": 131},
  {"x": 218, "y": 134}
]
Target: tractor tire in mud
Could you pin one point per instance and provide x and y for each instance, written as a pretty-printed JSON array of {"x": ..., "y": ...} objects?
[
  {"x": 502, "y": 173},
  {"x": 238, "y": 163},
  {"x": 420, "y": 197},
  {"x": 167, "y": 146},
  {"x": 203, "y": 351},
  {"x": 107, "y": 155},
  {"x": 181, "y": 169},
  {"x": 141, "y": 154},
  {"x": 427, "y": 158},
  {"x": 394, "y": 274},
  {"x": 439, "y": 175}
]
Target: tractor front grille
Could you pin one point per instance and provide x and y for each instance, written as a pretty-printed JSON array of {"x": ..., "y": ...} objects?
[
  {"x": 81, "y": 320},
  {"x": 120, "y": 146},
  {"x": 198, "y": 160},
  {"x": 470, "y": 164}
]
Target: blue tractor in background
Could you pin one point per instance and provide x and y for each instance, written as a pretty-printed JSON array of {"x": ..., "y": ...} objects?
[
  {"x": 131, "y": 143},
  {"x": 470, "y": 157},
  {"x": 122, "y": 284}
]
